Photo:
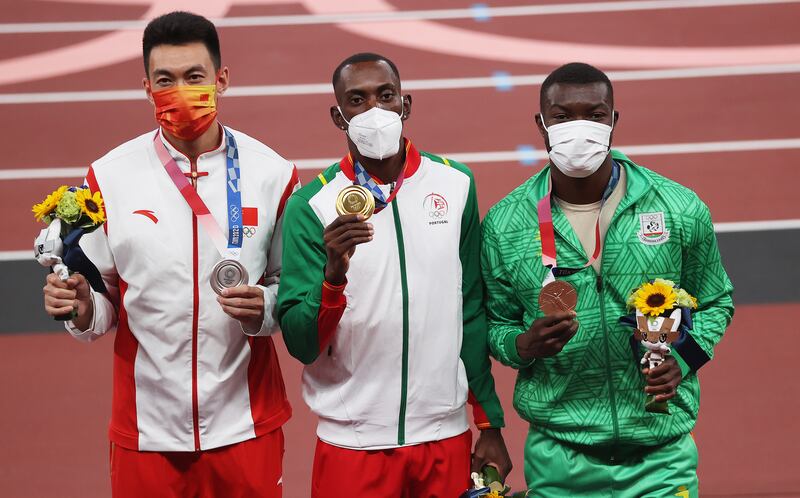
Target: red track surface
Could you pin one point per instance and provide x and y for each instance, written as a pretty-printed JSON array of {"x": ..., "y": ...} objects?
[{"x": 56, "y": 392}]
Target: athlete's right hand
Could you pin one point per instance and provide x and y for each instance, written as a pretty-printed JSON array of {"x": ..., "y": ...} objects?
[
  {"x": 547, "y": 336},
  {"x": 62, "y": 297},
  {"x": 341, "y": 238}
]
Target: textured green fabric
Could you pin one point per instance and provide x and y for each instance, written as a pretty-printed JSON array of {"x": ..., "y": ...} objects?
[
  {"x": 556, "y": 470},
  {"x": 592, "y": 392}
]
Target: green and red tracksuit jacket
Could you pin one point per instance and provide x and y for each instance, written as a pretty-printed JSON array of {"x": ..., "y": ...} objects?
[
  {"x": 392, "y": 356},
  {"x": 592, "y": 392}
]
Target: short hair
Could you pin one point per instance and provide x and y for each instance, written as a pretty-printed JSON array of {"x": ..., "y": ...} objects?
[
  {"x": 181, "y": 28},
  {"x": 362, "y": 57},
  {"x": 575, "y": 73}
]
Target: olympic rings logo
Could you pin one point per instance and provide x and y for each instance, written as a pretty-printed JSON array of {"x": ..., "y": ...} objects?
[
  {"x": 234, "y": 213},
  {"x": 249, "y": 231}
]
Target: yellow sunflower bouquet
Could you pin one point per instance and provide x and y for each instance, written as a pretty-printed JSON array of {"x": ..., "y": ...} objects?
[
  {"x": 69, "y": 213},
  {"x": 661, "y": 317}
]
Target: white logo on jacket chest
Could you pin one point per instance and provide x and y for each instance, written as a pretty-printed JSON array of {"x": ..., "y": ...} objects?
[
  {"x": 435, "y": 207},
  {"x": 653, "y": 231}
]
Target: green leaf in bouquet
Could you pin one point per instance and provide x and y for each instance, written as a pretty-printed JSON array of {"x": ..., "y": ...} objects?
[{"x": 68, "y": 208}]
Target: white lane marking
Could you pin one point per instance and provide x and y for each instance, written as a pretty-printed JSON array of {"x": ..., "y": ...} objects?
[
  {"x": 502, "y": 156},
  {"x": 724, "y": 227},
  {"x": 420, "y": 84}
]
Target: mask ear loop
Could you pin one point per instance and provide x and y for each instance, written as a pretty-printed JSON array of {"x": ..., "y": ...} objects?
[
  {"x": 541, "y": 116},
  {"x": 342, "y": 115}
]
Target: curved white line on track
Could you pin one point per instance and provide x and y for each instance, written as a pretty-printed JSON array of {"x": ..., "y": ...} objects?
[
  {"x": 428, "y": 36},
  {"x": 401, "y": 15}
]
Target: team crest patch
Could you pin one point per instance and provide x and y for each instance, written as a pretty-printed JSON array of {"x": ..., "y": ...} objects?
[
  {"x": 653, "y": 230},
  {"x": 436, "y": 207}
]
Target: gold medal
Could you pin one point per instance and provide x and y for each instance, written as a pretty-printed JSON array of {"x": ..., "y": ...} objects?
[{"x": 355, "y": 199}]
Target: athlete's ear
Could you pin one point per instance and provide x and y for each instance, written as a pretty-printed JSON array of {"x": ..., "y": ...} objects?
[
  {"x": 406, "y": 106},
  {"x": 223, "y": 80},
  {"x": 148, "y": 89}
]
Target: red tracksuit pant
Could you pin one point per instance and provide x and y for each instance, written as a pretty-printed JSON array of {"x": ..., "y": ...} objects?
[
  {"x": 439, "y": 469},
  {"x": 250, "y": 469}
]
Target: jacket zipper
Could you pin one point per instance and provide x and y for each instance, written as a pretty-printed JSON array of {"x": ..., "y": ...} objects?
[
  {"x": 611, "y": 394},
  {"x": 600, "y": 292},
  {"x": 401, "y": 425},
  {"x": 195, "y": 314}
]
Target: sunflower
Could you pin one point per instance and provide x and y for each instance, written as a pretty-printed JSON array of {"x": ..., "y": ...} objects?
[
  {"x": 91, "y": 205},
  {"x": 47, "y": 206},
  {"x": 654, "y": 299}
]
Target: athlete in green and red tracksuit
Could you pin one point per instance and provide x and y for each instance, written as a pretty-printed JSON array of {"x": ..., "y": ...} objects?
[
  {"x": 579, "y": 383},
  {"x": 388, "y": 314}
]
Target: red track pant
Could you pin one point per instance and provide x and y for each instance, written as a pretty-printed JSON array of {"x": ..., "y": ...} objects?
[
  {"x": 438, "y": 469},
  {"x": 250, "y": 469}
]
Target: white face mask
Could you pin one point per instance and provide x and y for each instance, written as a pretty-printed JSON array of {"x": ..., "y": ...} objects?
[
  {"x": 578, "y": 148},
  {"x": 375, "y": 132}
]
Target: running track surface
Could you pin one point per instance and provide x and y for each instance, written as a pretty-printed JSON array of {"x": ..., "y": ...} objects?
[{"x": 56, "y": 392}]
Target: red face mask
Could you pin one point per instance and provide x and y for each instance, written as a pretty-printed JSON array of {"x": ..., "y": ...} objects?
[{"x": 186, "y": 111}]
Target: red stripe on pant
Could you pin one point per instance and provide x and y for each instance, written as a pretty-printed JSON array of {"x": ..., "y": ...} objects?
[
  {"x": 250, "y": 469},
  {"x": 438, "y": 469}
]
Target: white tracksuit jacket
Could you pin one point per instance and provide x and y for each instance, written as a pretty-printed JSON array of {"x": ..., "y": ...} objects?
[{"x": 187, "y": 377}]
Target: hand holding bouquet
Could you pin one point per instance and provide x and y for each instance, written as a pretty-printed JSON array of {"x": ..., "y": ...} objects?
[
  {"x": 69, "y": 213},
  {"x": 661, "y": 315}
]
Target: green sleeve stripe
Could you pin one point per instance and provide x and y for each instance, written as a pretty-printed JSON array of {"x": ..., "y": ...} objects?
[{"x": 300, "y": 292}]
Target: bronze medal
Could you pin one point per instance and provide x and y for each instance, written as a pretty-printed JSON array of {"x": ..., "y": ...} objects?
[
  {"x": 558, "y": 296},
  {"x": 355, "y": 199}
]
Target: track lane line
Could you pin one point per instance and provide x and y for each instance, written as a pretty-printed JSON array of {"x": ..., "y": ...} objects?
[
  {"x": 417, "y": 84},
  {"x": 514, "y": 156},
  {"x": 724, "y": 227}
]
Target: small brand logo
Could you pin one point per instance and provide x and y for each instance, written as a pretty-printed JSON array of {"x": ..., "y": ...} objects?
[
  {"x": 683, "y": 492},
  {"x": 436, "y": 207},
  {"x": 147, "y": 213},
  {"x": 653, "y": 230}
]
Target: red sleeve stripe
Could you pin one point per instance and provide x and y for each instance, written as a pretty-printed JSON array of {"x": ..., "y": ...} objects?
[
  {"x": 481, "y": 420},
  {"x": 331, "y": 310},
  {"x": 290, "y": 188}
]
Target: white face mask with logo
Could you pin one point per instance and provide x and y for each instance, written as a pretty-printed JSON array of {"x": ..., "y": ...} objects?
[
  {"x": 375, "y": 132},
  {"x": 578, "y": 148}
]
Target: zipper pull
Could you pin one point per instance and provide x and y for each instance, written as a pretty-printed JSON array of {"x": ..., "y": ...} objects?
[{"x": 599, "y": 283}]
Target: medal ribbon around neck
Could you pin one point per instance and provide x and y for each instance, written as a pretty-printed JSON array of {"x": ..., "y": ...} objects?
[
  {"x": 232, "y": 246},
  {"x": 365, "y": 180},
  {"x": 545, "y": 214}
]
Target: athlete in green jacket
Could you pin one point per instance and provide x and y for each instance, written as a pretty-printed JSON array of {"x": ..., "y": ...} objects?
[{"x": 580, "y": 385}]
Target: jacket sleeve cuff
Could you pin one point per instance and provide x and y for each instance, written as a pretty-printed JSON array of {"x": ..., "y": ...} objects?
[
  {"x": 333, "y": 295},
  {"x": 685, "y": 369},
  {"x": 269, "y": 325},
  {"x": 510, "y": 348}
]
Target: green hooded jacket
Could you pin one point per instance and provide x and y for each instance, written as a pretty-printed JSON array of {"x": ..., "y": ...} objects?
[{"x": 592, "y": 392}]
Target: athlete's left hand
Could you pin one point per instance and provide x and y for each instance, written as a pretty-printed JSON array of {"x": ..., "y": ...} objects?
[
  {"x": 244, "y": 303},
  {"x": 664, "y": 379},
  {"x": 491, "y": 450}
]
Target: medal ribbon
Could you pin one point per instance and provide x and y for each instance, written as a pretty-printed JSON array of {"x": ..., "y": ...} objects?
[
  {"x": 232, "y": 246},
  {"x": 545, "y": 215},
  {"x": 365, "y": 180}
]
